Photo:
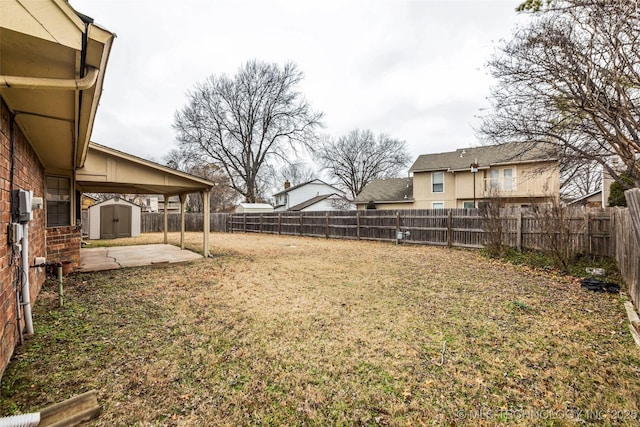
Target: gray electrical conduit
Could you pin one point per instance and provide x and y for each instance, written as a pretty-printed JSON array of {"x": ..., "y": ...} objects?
[{"x": 83, "y": 83}]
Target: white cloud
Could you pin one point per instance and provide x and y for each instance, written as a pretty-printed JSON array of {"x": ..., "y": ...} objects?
[{"x": 413, "y": 69}]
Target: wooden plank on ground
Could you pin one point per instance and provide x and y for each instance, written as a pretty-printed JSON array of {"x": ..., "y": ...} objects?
[{"x": 71, "y": 412}]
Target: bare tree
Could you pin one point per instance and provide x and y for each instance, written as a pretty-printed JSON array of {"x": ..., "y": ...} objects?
[
  {"x": 571, "y": 78},
  {"x": 296, "y": 173},
  {"x": 360, "y": 157},
  {"x": 222, "y": 196},
  {"x": 579, "y": 179},
  {"x": 493, "y": 225},
  {"x": 242, "y": 123},
  {"x": 180, "y": 160}
]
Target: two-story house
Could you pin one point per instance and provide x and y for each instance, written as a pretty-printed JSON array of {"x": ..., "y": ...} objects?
[
  {"x": 517, "y": 174},
  {"x": 315, "y": 195}
]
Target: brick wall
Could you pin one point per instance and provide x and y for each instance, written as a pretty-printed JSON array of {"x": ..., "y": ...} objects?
[
  {"x": 63, "y": 244},
  {"x": 28, "y": 175}
]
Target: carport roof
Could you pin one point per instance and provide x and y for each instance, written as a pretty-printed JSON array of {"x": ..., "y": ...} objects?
[{"x": 107, "y": 170}]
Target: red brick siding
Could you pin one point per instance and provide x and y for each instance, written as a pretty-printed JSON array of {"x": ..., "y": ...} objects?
[
  {"x": 63, "y": 244},
  {"x": 28, "y": 175}
]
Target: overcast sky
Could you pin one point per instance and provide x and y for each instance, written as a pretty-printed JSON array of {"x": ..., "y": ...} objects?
[{"x": 413, "y": 69}]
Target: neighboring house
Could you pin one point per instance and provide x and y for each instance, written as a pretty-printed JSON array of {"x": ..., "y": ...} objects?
[
  {"x": 324, "y": 202},
  {"x": 52, "y": 67},
  {"x": 315, "y": 195},
  {"x": 469, "y": 177},
  {"x": 592, "y": 200},
  {"x": 173, "y": 205},
  {"x": 389, "y": 193},
  {"x": 148, "y": 203},
  {"x": 598, "y": 198},
  {"x": 88, "y": 200}
]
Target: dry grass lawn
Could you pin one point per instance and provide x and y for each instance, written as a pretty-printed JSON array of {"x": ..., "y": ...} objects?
[{"x": 279, "y": 330}]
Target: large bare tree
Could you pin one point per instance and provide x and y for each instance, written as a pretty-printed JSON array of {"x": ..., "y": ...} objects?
[
  {"x": 579, "y": 179},
  {"x": 222, "y": 196},
  {"x": 242, "y": 123},
  {"x": 572, "y": 78},
  {"x": 296, "y": 173},
  {"x": 359, "y": 157}
]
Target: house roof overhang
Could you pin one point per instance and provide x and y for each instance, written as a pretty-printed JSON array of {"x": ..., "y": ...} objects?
[
  {"x": 52, "y": 67},
  {"x": 107, "y": 170},
  {"x": 382, "y": 202}
]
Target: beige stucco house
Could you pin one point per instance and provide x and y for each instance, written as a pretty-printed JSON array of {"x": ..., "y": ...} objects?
[{"x": 517, "y": 175}]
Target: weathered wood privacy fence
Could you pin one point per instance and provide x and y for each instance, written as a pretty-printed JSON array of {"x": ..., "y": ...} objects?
[
  {"x": 587, "y": 230},
  {"x": 153, "y": 222},
  {"x": 627, "y": 238}
]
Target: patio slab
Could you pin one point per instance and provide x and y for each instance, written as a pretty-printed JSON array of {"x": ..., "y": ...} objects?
[{"x": 112, "y": 258}]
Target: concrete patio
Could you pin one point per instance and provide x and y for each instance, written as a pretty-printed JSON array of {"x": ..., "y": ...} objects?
[{"x": 115, "y": 257}]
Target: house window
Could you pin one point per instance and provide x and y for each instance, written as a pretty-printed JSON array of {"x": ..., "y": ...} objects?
[
  {"x": 507, "y": 184},
  {"x": 58, "y": 201},
  {"x": 468, "y": 205},
  {"x": 494, "y": 180},
  {"x": 437, "y": 205},
  {"x": 437, "y": 182},
  {"x": 501, "y": 180}
]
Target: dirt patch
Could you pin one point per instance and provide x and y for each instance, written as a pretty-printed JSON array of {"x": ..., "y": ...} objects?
[{"x": 300, "y": 331}]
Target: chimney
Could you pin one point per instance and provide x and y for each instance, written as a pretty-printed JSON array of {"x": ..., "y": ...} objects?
[{"x": 287, "y": 184}]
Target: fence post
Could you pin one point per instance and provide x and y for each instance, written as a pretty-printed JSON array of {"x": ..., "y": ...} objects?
[
  {"x": 326, "y": 225},
  {"x": 519, "y": 230},
  {"x": 587, "y": 236},
  {"x": 280, "y": 223},
  {"x": 244, "y": 218},
  {"x": 301, "y": 223},
  {"x": 449, "y": 226},
  {"x": 261, "y": 223},
  {"x": 612, "y": 233},
  {"x": 358, "y": 225}
]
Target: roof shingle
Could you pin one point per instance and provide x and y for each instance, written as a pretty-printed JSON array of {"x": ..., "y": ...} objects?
[
  {"x": 485, "y": 156},
  {"x": 387, "y": 190}
]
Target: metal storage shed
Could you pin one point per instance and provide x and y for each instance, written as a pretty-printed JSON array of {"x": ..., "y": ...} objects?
[{"x": 114, "y": 218}]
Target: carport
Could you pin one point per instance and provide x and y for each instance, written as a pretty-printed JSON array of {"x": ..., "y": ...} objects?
[{"x": 107, "y": 170}]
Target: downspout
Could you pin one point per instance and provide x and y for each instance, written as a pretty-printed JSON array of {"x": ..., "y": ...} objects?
[
  {"x": 83, "y": 62},
  {"x": 26, "y": 296}
]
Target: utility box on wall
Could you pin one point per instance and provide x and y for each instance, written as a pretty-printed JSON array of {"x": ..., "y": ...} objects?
[
  {"x": 24, "y": 204},
  {"x": 22, "y": 200}
]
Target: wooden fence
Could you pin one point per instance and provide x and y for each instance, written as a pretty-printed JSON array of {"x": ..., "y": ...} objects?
[
  {"x": 627, "y": 243},
  {"x": 153, "y": 222},
  {"x": 588, "y": 230}
]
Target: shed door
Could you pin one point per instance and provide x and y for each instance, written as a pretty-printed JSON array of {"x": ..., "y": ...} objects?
[
  {"x": 115, "y": 221},
  {"x": 123, "y": 223}
]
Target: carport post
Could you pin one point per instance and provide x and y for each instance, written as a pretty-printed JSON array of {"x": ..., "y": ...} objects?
[
  {"x": 205, "y": 221},
  {"x": 166, "y": 218},
  {"x": 183, "y": 199}
]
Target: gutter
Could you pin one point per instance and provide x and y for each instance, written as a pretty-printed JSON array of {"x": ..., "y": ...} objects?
[
  {"x": 84, "y": 83},
  {"x": 386, "y": 201}
]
